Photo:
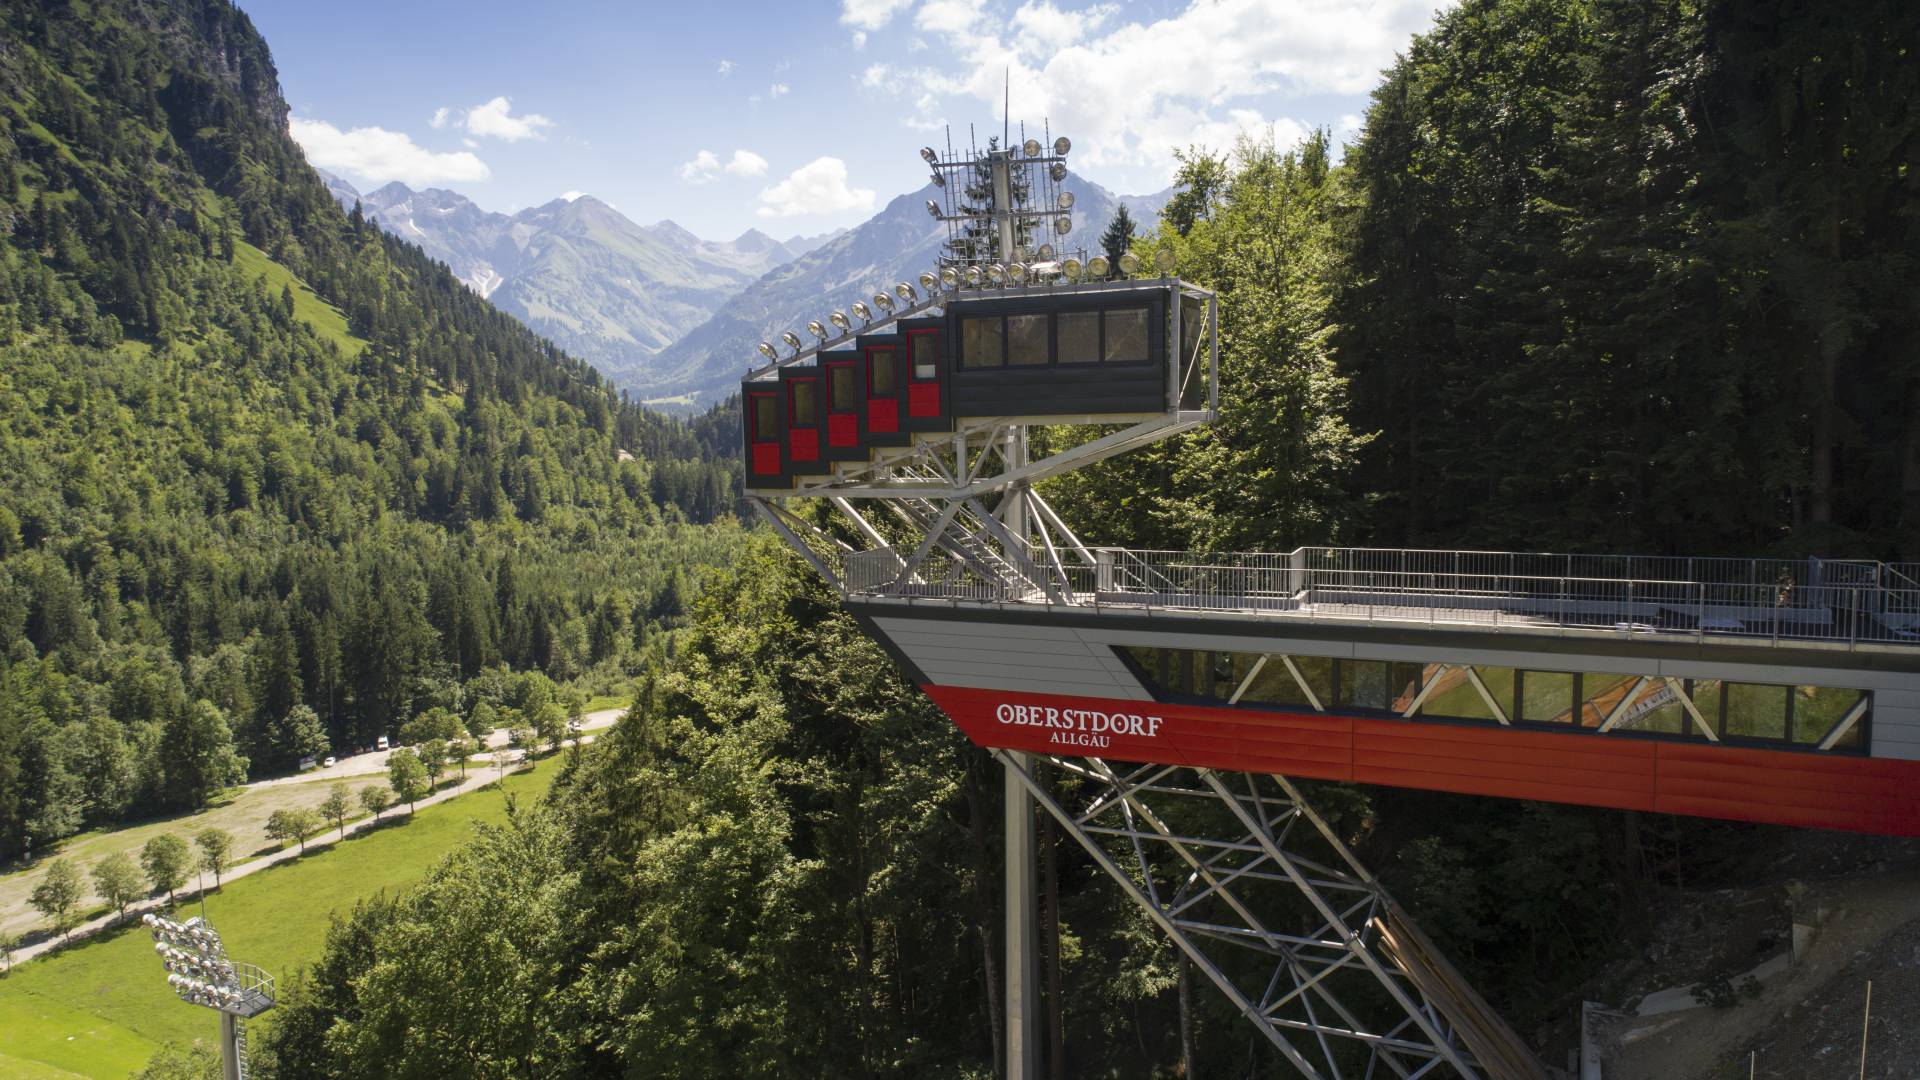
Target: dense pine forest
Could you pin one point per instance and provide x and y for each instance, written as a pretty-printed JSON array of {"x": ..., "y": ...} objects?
[
  {"x": 275, "y": 482},
  {"x": 1595, "y": 276}
]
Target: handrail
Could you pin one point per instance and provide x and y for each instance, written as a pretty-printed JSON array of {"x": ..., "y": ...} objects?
[{"x": 1849, "y": 602}]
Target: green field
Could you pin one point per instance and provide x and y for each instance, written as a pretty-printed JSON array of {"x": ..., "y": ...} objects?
[
  {"x": 308, "y": 307},
  {"x": 101, "y": 1008}
]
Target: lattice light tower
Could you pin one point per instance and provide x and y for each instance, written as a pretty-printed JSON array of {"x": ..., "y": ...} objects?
[
  {"x": 915, "y": 427},
  {"x": 200, "y": 973}
]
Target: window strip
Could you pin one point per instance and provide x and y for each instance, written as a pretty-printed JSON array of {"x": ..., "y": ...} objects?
[
  {"x": 1486, "y": 695},
  {"x": 1686, "y": 701},
  {"x": 1433, "y": 684},
  {"x": 1619, "y": 712},
  {"x": 1248, "y": 681}
]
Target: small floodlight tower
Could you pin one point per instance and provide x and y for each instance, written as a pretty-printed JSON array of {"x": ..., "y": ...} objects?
[{"x": 199, "y": 972}]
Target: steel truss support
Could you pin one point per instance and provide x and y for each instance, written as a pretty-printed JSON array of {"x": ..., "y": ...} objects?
[{"x": 1254, "y": 887}]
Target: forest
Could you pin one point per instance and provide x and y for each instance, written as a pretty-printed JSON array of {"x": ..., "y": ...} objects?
[
  {"x": 276, "y": 483},
  {"x": 1596, "y": 276}
]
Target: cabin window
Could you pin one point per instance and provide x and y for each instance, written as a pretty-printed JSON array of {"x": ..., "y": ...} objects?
[
  {"x": 925, "y": 355},
  {"x": 1754, "y": 712},
  {"x": 1126, "y": 336},
  {"x": 844, "y": 388},
  {"x": 983, "y": 341},
  {"x": 1817, "y": 708},
  {"x": 1079, "y": 333},
  {"x": 766, "y": 419},
  {"x": 806, "y": 409},
  {"x": 1546, "y": 697},
  {"x": 1026, "y": 340},
  {"x": 884, "y": 374}
]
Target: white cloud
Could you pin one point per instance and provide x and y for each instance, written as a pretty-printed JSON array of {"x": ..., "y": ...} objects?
[
  {"x": 725, "y": 69},
  {"x": 870, "y": 14},
  {"x": 818, "y": 187},
  {"x": 746, "y": 163},
  {"x": 779, "y": 89},
  {"x": 706, "y": 166},
  {"x": 470, "y": 144},
  {"x": 495, "y": 119},
  {"x": 859, "y": 40},
  {"x": 1129, "y": 92},
  {"x": 439, "y": 117},
  {"x": 374, "y": 153}
]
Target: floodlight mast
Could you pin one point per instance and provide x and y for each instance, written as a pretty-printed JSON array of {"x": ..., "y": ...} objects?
[{"x": 200, "y": 973}]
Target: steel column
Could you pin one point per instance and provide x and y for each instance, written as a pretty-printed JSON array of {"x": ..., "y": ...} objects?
[{"x": 1023, "y": 931}]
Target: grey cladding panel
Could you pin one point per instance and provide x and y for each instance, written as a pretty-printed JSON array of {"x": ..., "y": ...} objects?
[
  {"x": 1896, "y": 733},
  {"x": 1004, "y": 656}
]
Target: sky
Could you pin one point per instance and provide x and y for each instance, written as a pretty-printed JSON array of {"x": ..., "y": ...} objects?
[{"x": 796, "y": 117}]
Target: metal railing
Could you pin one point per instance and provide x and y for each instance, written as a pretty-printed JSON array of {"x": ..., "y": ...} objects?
[{"x": 1847, "y": 602}]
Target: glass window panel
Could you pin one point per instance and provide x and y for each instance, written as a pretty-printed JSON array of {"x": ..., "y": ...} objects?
[
  {"x": 885, "y": 372},
  {"x": 1546, "y": 697},
  {"x": 1275, "y": 685},
  {"x": 1707, "y": 695},
  {"x": 1079, "y": 333},
  {"x": 1193, "y": 320},
  {"x": 1318, "y": 672},
  {"x": 1856, "y": 736},
  {"x": 1126, "y": 336},
  {"x": 1456, "y": 698},
  {"x": 805, "y": 405},
  {"x": 926, "y": 350},
  {"x": 1756, "y": 712},
  {"x": 1602, "y": 694},
  {"x": 1817, "y": 708},
  {"x": 1026, "y": 340},
  {"x": 1363, "y": 684},
  {"x": 766, "y": 419},
  {"x": 1403, "y": 685},
  {"x": 1658, "y": 709},
  {"x": 982, "y": 341},
  {"x": 843, "y": 386}
]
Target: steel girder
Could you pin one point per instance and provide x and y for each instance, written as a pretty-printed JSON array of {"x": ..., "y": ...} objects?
[{"x": 1261, "y": 895}]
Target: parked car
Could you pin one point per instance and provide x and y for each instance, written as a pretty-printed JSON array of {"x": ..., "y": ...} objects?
[
  {"x": 307, "y": 763},
  {"x": 380, "y": 743},
  {"x": 330, "y": 762}
]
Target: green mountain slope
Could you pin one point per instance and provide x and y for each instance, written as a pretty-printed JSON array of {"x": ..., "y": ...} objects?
[{"x": 274, "y": 480}]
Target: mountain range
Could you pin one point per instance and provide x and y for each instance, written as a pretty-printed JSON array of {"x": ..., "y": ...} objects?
[
  {"x": 659, "y": 311},
  {"x": 894, "y": 245},
  {"x": 578, "y": 271}
]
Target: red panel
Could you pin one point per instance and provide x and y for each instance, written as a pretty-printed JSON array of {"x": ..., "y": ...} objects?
[
  {"x": 1783, "y": 787},
  {"x": 766, "y": 458},
  {"x": 883, "y": 415},
  {"x": 805, "y": 443},
  {"x": 923, "y": 399},
  {"x": 843, "y": 429}
]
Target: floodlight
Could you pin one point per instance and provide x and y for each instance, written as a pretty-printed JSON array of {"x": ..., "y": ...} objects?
[
  {"x": 1016, "y": 272},
  {"x": 938, "y": 180},
  {"x": 1046, "y": 253},
  {"x": 1058, "y": 170},
  {"x": 933, "y": 208},
  {"x": 1129, "y": 262},
  {"x": 1065, "y": 201},
  {"x": 1063, "y": 225},
  {"x": 1071, "y": 268},
  {"x": 1164, "y": 260},
  {"x": 927, "y": 155},
  {"x": 1031, "y": 147},
  {"x": 817, "y": 330},
  {"x": 929, "y": 281},
  {"x": 792, "y": 339},
  {"x": 997, "y": 273},
  {"x": 905, "y": 292},
  {"x": 1097, "y": 266},
  {"x": 839, "y": 319},
  {"x": 949, "y": 277},
  {"x": 1061, "y": 145},
  {"x": 883, "y": 301},
  {"x": 767, "y": 350},
  {"x": 975, "y": 275},
  {"x": 863, "y": 311}
]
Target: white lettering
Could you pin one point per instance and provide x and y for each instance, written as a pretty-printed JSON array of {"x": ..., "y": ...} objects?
[{"x": 1080, "y": 727}]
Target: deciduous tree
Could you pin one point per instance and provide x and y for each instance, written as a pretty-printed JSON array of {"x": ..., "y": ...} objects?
[
  {"x": 166, "y": 859},
  {"x": 117, "y": 880}
]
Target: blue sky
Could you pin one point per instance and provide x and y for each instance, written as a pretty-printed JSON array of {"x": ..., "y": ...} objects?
[{"x": 796, "y": 117}]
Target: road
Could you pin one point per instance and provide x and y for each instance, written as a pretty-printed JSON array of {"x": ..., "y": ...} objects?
[
  {"x": 375, "y": 762},
  {"x": 358, "y": 765}
]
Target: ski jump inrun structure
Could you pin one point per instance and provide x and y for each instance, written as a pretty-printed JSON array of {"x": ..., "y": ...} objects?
[{"x": 1160, "y": 706}]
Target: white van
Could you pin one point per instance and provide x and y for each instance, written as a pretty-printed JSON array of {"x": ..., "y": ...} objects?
[{"x": 380, "y": 743}]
